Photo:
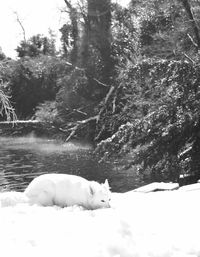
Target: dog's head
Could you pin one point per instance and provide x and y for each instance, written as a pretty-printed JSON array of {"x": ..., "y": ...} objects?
[{"x": 100, "y": 195}]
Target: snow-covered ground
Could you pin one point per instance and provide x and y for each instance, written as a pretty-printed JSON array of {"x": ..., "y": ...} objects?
[{"x": 138, "y": 224}]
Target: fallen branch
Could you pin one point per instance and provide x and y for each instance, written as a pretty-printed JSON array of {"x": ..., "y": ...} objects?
[
  {"x": 95, "y": 118},
  {"x": 189, "y": 58},
  {"x": 78, "y": 125},
  {"x": 105, "y": 102}
]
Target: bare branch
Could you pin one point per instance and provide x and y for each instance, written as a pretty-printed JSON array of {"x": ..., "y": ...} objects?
[
  {"x": 78, "y": 125},
  {"x": 68, "y": 3},
  {"x": 79, "y": 111},
  {"x": 100, "y": 83},
  {"x": 189, "y": 58},
  {"x": 21, "y": 25},
  {"x": 192, "y": 40}
]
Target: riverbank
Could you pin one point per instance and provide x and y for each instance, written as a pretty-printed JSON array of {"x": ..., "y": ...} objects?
[
  {"x": 37, "y": 128},
  {"x": 31, "y": 127},
  {"x": 164, "y": 224}
]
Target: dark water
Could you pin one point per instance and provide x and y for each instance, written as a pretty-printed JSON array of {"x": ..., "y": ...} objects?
[{"x": 24, "y": 158}]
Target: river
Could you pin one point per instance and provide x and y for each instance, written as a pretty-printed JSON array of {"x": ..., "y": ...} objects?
[{"x": 24, "y": 158}]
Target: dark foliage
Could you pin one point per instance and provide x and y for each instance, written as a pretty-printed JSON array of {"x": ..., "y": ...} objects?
[
  {"x": 37, "y": 45},
  {"x": 30, "y": 81},
  {"x": 159, "y": 114}
]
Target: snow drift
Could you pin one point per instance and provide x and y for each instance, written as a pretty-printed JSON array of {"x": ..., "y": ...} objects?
[{"x": 137, "y": 225}]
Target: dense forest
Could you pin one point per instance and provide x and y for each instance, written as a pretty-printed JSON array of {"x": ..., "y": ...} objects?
[{"x": 127, "y": 79}]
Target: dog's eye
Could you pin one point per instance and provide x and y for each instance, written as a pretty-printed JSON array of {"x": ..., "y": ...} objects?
[{"x": 103, "y": 201}]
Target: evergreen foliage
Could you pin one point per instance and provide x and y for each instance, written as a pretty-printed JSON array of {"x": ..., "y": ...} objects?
[{"x": 159, "y": 117}]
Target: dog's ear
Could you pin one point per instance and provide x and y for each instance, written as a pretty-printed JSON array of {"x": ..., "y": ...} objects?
[
  {"x": 92, "y": 188},
  {"x": 106, "y": 184}
]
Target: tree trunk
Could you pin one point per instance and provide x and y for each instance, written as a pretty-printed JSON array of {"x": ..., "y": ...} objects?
[{"x": 73, "y": 14}]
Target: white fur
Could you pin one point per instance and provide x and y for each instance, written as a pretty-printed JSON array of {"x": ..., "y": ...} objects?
[{"x": 67, "y": 190}]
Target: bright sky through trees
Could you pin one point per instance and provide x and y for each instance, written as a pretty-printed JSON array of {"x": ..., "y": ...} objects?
[{"x": 36, "y": 16}]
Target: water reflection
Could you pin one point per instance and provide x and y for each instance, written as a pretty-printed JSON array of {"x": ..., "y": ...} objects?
[{"x": 22, "y": 159}]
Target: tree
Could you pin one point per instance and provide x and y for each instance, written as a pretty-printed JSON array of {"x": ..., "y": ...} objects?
[
  {"x": 152, "y": 118},
  {"x": 88, "y": 34},
  {"x": 167, "y": 29},
  {"x": 31, "y": 81},
  {"x": 70, "y": 34},
  {"x": 37, "y": 45},
  {"x": 87, "y": 41},
  {"x": 99, "y": 34},
  {"x": 126, "y": 35}
]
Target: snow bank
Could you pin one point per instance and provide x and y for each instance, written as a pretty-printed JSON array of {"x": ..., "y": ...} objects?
[{"x": 138, "y": 225}]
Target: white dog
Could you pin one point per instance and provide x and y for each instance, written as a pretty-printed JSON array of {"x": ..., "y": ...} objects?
[{"x": 67, "y": 190}]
